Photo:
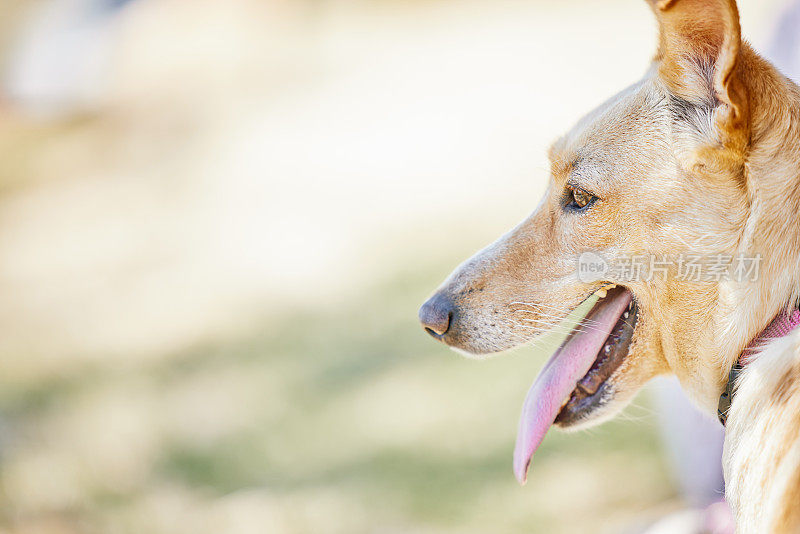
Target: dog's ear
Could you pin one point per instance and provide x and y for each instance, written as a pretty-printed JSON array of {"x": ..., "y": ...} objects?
[{"x": 699, "y": 60}]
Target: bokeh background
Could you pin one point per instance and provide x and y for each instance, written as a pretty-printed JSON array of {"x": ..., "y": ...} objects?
[{"x": 217, "y": 221}]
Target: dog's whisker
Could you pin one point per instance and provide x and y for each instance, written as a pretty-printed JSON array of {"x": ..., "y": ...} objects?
[
  {"x": 550, "y": 325},
  {"x": 547, "y": 320},
  {"x": 539, "y": 330},
  {"x": 557, "y": 320},
  {"x": 580, "y": 326},
  {"x": 584, "y": 321},
  {"x": 545, "y": 314},
  {"x": 535, "y": 305}
]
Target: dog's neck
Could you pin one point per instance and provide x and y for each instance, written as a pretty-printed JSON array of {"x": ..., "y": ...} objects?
[
  {"x": 772, "y": 231},
  {"x": 760, "y": 471},
  {"x": 705, "y": 353}
]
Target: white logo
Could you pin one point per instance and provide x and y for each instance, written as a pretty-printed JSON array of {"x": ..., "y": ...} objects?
[{"x": 592, "y": 267}]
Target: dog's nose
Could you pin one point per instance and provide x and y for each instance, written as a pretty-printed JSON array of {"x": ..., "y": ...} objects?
[{"x": 435, "y": 315}]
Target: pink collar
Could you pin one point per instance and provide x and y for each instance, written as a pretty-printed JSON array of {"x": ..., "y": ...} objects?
[{"x": 783, "y": 324}]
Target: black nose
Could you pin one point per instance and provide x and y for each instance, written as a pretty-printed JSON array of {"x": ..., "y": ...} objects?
[{"x": 435, "y": 315}]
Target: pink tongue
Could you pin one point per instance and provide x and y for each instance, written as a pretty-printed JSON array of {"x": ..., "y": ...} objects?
[{"x": 560, "y": 376}]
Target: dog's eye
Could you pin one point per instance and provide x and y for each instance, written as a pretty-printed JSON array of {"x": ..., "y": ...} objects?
[{"x": 579, "y": 199}]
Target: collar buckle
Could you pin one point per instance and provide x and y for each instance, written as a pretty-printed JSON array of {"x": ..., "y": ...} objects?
[{"x": 726, "y": 398}]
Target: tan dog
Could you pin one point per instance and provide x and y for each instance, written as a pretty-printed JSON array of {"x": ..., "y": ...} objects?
[{"x": 701, "y": 157}]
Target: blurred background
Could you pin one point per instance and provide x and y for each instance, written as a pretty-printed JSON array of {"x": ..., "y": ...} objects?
[{"x": 217, "y": 221}]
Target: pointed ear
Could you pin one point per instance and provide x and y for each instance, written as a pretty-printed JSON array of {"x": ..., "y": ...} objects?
[{"x": 699, "y": 58}]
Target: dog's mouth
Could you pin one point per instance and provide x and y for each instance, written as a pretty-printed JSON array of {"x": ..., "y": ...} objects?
[{"x": 574, "y": 382}]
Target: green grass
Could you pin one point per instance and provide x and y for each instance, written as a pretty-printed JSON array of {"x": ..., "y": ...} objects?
[{"x": 354, "y": 406}]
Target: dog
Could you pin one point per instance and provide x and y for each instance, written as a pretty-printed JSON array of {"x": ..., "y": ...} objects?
[{"x": 700, "y": 159}]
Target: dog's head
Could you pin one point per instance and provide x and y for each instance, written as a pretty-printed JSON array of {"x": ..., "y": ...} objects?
[{"x": 654, "y": 180}]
